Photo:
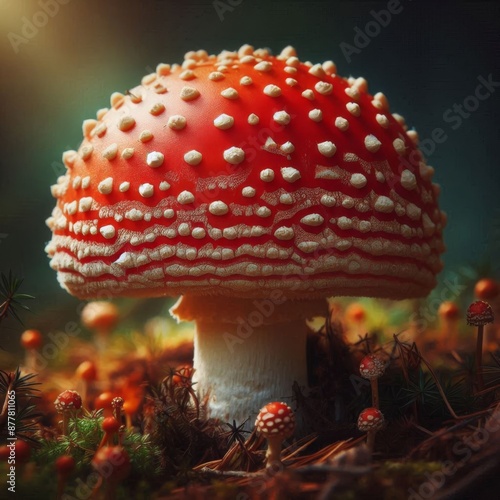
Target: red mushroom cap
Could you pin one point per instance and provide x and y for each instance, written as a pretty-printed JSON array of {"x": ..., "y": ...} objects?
[
  {"x": 276, "y": 419},
  {"x": 229, "y": 173},
  {"x": 65, "y": 465},
  {"x": 31, "y": 339},
  {"x": 449, "y": 310},
  {"x": 68, "y": 400},
  {"x": 110, "y": 425},
  {"x": 22, "y": 451},
  {"x": 371, "y": 366},
  {"x": 117, "y": 402},
  {"x": 104, "y": 400},
  {"x": 479, "y": 313},
  {"x": 486, "y": 289},
  {"x": 370, "y": 419},
  {"x": 87, "y": 370},
  {"x": 100, "y": 315}
]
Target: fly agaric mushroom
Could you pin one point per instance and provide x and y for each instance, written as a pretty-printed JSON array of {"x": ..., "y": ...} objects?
[
  {"x": 86, "y": 372},
  {"x": 113, "y": 464},
  {"x": 101, "y": 317},
  {"x": 372, "y": 367},
  {"x": 255, "y": 186},
  {"x": 370, "y": 420},
  {"x": 486, "y": 289},
  {"x": 479, "y": 313},
  {"x": 65, "y": 465},
  {"x": 67, "y": 403},
  {"x": 276, "y": 422}
]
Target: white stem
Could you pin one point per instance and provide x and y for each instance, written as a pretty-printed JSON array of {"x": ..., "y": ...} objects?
[{"x": 243, "y": 362}]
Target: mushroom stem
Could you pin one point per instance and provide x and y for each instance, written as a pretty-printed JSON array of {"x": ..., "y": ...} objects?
[
  {"x": 479, "y": 358},
  {"x": 247, "y": 352},
  {"x": 375, "y": 396},
  {"x": 273, "y": 453},
  {"x": 370, "y": 440},
  {"x": 65, "y": 422}
]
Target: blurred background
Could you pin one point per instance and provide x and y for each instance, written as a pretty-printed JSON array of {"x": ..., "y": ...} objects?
[{"x": 62, "y": 59}]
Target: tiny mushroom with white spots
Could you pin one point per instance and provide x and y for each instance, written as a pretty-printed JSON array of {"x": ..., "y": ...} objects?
[
  {"x": 276, "y": 422},
  {"x": 67, "y": 403},
  {"x": 370, "y": 420},
  {"x": 255, "y": 186},
  {"x": 372, "y": 367}
]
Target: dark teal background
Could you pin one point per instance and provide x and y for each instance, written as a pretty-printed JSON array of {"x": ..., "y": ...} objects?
[{"x": 426, "y": 60}]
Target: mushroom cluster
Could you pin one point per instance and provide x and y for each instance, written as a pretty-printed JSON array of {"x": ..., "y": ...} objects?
[{"x": 255, "y": 186}]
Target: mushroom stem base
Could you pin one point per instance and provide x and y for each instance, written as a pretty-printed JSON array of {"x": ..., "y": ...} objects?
[{"x": 246, "y": 359}]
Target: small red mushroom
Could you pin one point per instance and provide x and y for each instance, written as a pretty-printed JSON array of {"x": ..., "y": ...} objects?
[
  {"x": 370, "y": 420},
  {"x": 276, "y": 422},
  {"x": 104, "y": 402},
  {"x": 486, "y": 289},
  {"x": 372, "y": 367},
  {"x": 67, "y": 403},
  {"x": 110, "y": 426},
  {"x": 87, "y": 373},
  {"x": 31, "y": 340},
  {"x": 479, "y": 313},
  {"x": 254, "y": 186},
  {"x": 65, "y": 465},
  {"x": 100, "y": 317}
]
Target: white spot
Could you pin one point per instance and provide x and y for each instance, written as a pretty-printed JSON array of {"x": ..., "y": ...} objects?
[
  {"x": 287, "y": 147},
  {"x": 308, "y": 94},
  {"x": 127, "y": 153},
  {"x": 264, "y": 66},
  {"x": 384, "y": 204},
  {"x": 230, "y": 93},
  {"x": 317, "y": 70},
  {"x": 157, "y": 109},
  {"x": 382, "y": 120},
  {"x": 380, "y": 176},
  {"x": 408, "y": 180},
  {"x": 347, "y": 202},
  {"x": 124, "y": 186},
  {"x": 281, "y": 117},
  {"x": 85, "y": 204},
  {"x": 344, "y": 222},
  {"x": 353, "y": 108},
  {"x": 291, "y": 82},
  {"x": 110, "y": 152},
  {"x": 328, "y": 200},
  {"x": 352, "y": 92},
  {"x": 86, "y": 151},
  {"x": 77, "y": 182},
  {"x": 164, "y": 186},
  {"x": 327, "y": 148},
  {"x": 108, "y": 231},
  {"x": 155, "y": 159},
  {"x": 146, "y": 136},
  {"x": 316, "y": 115},
  {"x": 246, "y": 80},
  {"x": 341, "y": 123},
  {"x": 253, "y": 119},
  {"x": 358, "y": 180},
  {"x": 286, "y": 199},
  {"x": 290, "y": 70},
  {"x": 290, "y": 174},
  {"x": 324, "y": 88},
  {"x": 216, "y": 76},
  {"x": 312, "y": 220},
  {"x": 230, "y": 233},
  {"x": 218, "y": 208},
  {"x": 223, "y": 121},
  {"x": 126, "y": 123},
  {"x": 146, "y": 190},
  {"x": 184, "y": 229},
  {"x": 248, "y": 192},
  {"x": 86, "y": 182},
  {"x": 293, "y": 61},
  {"x": 284, "y": 233},
  {"x": 105, "y": 186},
  {"x": 234, "y": 155},
  {"x": 263, "y": 212},
  {"x": 272, "y": 90},
  {"x": 399, "y": 146},
  {"x": 177, "y": 122},
  {"x": 267, "y": 175},
  {"x": 193, "y": 157},
  {"x": 372, "y": 144},
  {"x": 198, "y": 233},
  {"x": 168, "y": 213},
  {"x": 185, "y": 197},
  {"x": 189, "y": 93}
]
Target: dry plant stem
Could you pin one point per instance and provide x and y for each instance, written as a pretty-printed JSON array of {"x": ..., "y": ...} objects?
[
  {"x": 375, "y": 396},
  {"x": 479, "y": 358}
]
